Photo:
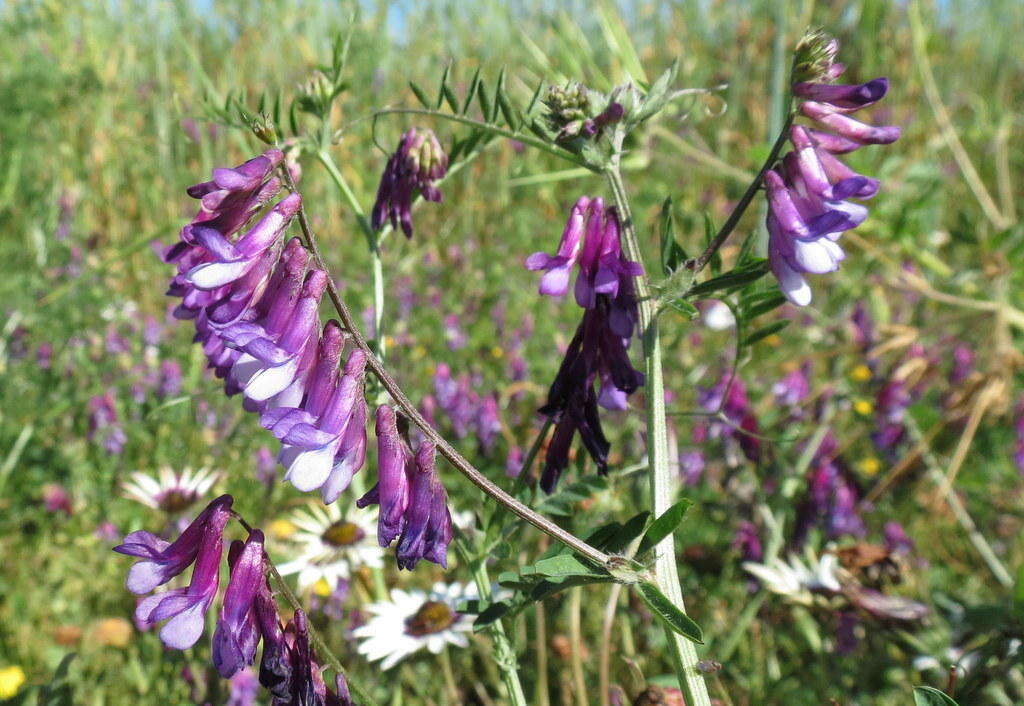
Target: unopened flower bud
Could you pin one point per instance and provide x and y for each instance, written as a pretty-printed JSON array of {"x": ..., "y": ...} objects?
[
  {"x": 263, "y": 127},
  {"x": 814, "y": 57}
]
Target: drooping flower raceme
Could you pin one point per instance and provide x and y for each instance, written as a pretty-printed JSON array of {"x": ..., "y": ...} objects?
[
  {"x": 808, "y": 195},
  {"x": 184, "y": 609},
  {"x": 591, "y": 243},
  {"x": 413, "y": 502},
  {"x": 414, "y": 166}
]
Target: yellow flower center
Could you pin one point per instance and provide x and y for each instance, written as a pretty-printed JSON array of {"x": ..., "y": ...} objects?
[
  {"x": 432, "y": 617},
  {"x": 861, "y": 373},
  {"x": 322, "y": 588},
  {"x": 870, "y": 465},
  {"x": 863, "y": 407},
  {"x": 342, "y": 534},
  {"x": 175, "y": 500},
  {"x": 281, "y": 529},
  {"x": 11, "y": 679}
]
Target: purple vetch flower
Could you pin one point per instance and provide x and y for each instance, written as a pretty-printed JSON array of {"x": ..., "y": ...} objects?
[
  {"x": 105, "y": 425},
  {"x": 266, "y": 465},
  {"x": 808, "y": 207},
  {"x": 324, "y": 442},
  {"x": 237, "y": 633},
  {"x": 514, "y": 462},
  {"x": 107, "y": 531},
  {"x": 729, "y": 396},
  {"x": 392, "y": 489},
  {"x": 416, "y": 164},
  {"x": 413, "y": 502},
  {"x": 963, "y": 364},
  {"x": 428, "y": 522},
  {"x": 847, "y": 625},
  {"x": 691, "y": 466},
  {"x": 275, "y": 666},
  {"x": 557, "y": 268},
  {"x": 44, "y": 356},
  {"x": 747, "y": 541},
  {"x": 201, "y": 543},
  {"x": 891, "y": 405},
  {"x": 57, "y": 499},
  {"x": 243, "y": 688},
  {"x": 832, "y": 496},
  {"x": 794, "y": 387},
  {"x": 233, "y": 196},
  {"x": 896, "y": 539},
  {"x": 488, "y": 423},
  {"x": 170, "y": 378}
]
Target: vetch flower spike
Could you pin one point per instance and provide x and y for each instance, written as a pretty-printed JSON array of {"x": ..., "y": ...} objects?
[
  {"x": 237, "y": 633},
  {"x": 184, "y": 608}
]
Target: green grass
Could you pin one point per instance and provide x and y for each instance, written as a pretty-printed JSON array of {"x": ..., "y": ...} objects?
[{"x": 92, "y": 99}]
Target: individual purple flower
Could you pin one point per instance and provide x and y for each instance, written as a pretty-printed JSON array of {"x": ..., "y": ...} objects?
[
  {"x": 691, "y": 466},
  {"x": 963, "y": 364},
  {"x": 243, "y": 688},
  {"x": 891, "y": 405},
  {"x": 57, "y": 499},
  {"x": 324, "y": 443},
  {"x": 488, "y": 423},
  {"x": 415, "y": 166},
  {"x": 266, "y": 465},
  {"x": 201, "y": 544},
  {"x": 557, "y": 268},
  {"x": 170, "y": 378},
  {"x": 729, "y": 397},
  {"x": 392, "y": 489},
  {"x": 896, "y": 539},
  {"x": 514, "y": 461},
  {"x": 230, "y": 262},
  {"x": 832, "y": 496},
  {"x": 44, "y": 356},
  {"x": 428, "y": 522},
  {"x": 808, "y": 207},
  {"x": 794, "y": 387},
  {"x": 233, "y": 196},
  {"x": 237, "y": 633},
  {"x": 413, "y": 502},
  {"x": 105, "y": 425}
]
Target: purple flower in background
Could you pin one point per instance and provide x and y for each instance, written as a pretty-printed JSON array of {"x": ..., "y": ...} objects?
[
  {"x": 890, "y": 408},
  {"x": 896, "y": 539},
  {"x": 266, "y": 466},
  {"x": 514, "y": 462},
  {"x": 808, "y": 206},
  {"x": 1018, "y": 454},
  {"x": 729, "y": 396},
  {"x": 104, "y": 424},
  {"x": 243, "y": 688},
  {"x": 963, "y": 364},
  {"x": 237, "y": 633},
  {"x": 691, "y": 466},
  {"x": 201, "y": 544},
  {"x": 831, "y": 498},
  {"x": 488, "y": 423},
  {"x": 846, "y": 632},
  {"x": 44, "y": 356},
  {"x": 170, "y": 378},
  {"x": 795, "y": 387},
  {"x": 107, "y": 531},
  {"x": 57, "y": 499},
  {"x": 415, "y": 166}
]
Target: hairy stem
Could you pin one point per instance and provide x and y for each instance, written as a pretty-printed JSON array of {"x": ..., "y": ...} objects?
[
  {"x": 683, "y": 652},
  {"x": 698, "y": 263},
  {"x": 403, "y": 402},
  {"x": 504, "y": 651}
]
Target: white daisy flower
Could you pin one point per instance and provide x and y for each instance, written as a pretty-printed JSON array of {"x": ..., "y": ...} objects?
[
  {"x": 413, "y": 620},
  {"x": 170, "y": 491},
  {"x": 796, "y": 579},
  {"x": 329, "y": 545}
]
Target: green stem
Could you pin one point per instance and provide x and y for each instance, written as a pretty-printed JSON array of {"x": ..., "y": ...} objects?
[
  {"x": 504, "y": 652},
  {"x": 494, "y": 130},
  {"x": 372, "y": 242},
  {"x": 683, "y": 652}
]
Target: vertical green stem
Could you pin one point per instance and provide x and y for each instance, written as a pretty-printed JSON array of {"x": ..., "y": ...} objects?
[
  {"x": 683, "y": 652},
  {"x": 372, "y": 242},
  {"x": 504, "y": 652}
]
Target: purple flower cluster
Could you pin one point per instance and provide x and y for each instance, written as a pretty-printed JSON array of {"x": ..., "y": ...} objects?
[
  {"x": 466, "y": 410},
  {"x": 255, "y": 305},
  {"x": 590, "y": 243},
  {"x": 248, "y": 611},
  {"x": 1018, "y": 447},
  {"x": 413, "y": 167},
  {"x": 729, "y": 397},
  {"x": 105, "y": 425},
  {"x": 832, "y": 496},
  {"x": 412, "y": 499},
  {"x": 808, "y": 206}
]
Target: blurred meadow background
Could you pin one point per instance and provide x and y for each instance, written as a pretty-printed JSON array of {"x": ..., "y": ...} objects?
[{"x": 105, "y": 118}]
